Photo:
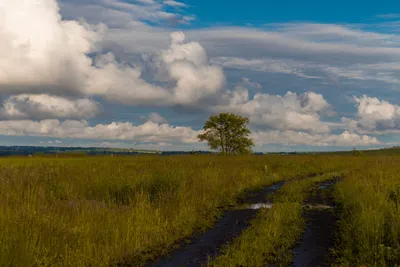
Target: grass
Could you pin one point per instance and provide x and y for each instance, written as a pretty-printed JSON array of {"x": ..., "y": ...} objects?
[
  {"x": 102, "y": 211},
  {"x": 274, "y": 232},
  {"x": 369, "y": 199},
  {"x": 128, "y": 210}
]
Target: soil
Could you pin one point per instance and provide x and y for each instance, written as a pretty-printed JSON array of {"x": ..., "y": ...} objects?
[{"x": 314, "y": 249}]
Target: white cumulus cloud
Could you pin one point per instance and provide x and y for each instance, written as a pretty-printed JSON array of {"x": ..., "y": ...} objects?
[
  {"x": 41, "y": 52},
  {"x": 147, "y": 132},
  {"x": 43, "y": 106},
  {"x": 156, "y": 118},
  {"x": 188, "y": 65},
  {"x": 52, "y": 55},
  {"x": 288, "y": 112},
  {"x": 346, "y": 139},
  {"x": 375, "y": 116},
  {"x": 50, "y": 67}
]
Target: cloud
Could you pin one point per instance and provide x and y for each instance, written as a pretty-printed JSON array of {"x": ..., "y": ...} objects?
[
  {"x": 374, "y": 116},
  {"x": 50, "y": 69},
  {"x": 189, "y": 73},
  {"x": 164, "y": 134},
  {"x": 333, "y": 33},
  {"x": 322, "y": 52},
  {"x": 44, "y": 106},
  {"x": 381, "y": 72},
  {"x": 174, "y": 3},
  {"x": 49, "y": 55},
  {"x": 156, "y": 118},
  {"x": 115, "y": 12},
  {"x": 346, "y": 139},
  {"x": 109, "y": 144},
  {"x": 289, "y": 66},
  {"x": 288, "y": 112},
  {"x": 120, "y": 82},
  {"x": 248, "y": 83},
  {"x": 188, "y": 65},
  {"x": 52, "y": 56},
  {"x": 355, "y": 47},
  {"x": 56, "y": 142},
  {"x": 148, "y": 132}
]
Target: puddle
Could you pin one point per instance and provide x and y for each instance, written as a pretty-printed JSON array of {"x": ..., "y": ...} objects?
[
  {"x": 327, "y": 184},
  {"x": 277, "y": 186},
  {"x": 259, "y": 196},
  {"x": 255, "y": 206}
]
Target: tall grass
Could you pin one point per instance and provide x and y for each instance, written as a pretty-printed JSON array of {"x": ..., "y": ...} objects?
[
  {"x": 105, "y": 211},
  {"x": 369, "y": 229}
]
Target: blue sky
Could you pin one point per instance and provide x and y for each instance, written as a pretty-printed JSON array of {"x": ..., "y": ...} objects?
[
  {"x": 310, "y": 75},
  {"x": 259, "y": 12}
]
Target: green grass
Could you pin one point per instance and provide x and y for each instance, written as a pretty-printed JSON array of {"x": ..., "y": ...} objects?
[
  {"x": 102, "y": 211},
  {"x": 369, "y": 199},
  {"x": 274, "y": 232}
]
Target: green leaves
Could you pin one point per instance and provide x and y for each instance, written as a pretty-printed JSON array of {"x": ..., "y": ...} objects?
[{"x": 228, "y": 133}]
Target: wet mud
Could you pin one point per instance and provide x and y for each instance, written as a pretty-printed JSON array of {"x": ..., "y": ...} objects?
[
  {"x": 315, "y": 247},
  {"x": 207, "y": 246}
]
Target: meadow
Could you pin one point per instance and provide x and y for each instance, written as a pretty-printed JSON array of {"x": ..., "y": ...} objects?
[{"x": 132, "y": 210}]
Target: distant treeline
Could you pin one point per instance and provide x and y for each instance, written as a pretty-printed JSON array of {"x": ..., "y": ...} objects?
[{"x": 85, "y": 151}]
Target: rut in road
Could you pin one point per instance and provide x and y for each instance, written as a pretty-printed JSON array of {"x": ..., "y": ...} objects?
[
  {"x": 207, "y": 245},
  {"x": 314, "y": 249}
]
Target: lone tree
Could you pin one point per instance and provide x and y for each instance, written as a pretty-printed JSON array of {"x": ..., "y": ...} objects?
[{"x": 229, "y": 133}]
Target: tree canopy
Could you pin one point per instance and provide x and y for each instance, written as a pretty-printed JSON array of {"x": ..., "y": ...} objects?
[{"x": 228, "y": 133}]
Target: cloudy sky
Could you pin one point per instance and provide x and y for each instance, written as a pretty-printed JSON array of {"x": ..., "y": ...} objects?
[{"x": 310, "y": 75}]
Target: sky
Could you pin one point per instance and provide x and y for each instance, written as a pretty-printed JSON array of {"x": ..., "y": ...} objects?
[{"x": 310, "y": 75}]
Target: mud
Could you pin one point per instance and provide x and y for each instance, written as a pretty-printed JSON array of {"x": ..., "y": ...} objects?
[
  {"x": 207, "y": 246},
  {"x": 314, "y": 249}
]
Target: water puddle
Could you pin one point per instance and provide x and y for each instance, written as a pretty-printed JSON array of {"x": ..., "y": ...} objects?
[
  {"x": 255, "y": 206},
  {"x": 258, "y": 206},
  {"x": 327, "y": 184}
]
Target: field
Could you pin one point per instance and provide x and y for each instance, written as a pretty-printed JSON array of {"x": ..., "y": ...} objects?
[{"x": 137, "y": 210}]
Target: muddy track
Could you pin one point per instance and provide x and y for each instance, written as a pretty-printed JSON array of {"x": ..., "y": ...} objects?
[
  {"x": 314, "y": 249},
  {"x": 207, "y": 245}
]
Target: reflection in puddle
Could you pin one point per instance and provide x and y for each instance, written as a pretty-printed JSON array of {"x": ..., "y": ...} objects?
[
  {"x": 326, "y": 184},
  {"x": 258, "y": 206},
  {"x": 277, "y": 186},
  {"x": 254, "y": 206}
]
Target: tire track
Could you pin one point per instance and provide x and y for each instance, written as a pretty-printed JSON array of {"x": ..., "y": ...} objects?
[
  {"x": 314, "y": 249},
  {"x": 206, "y": 246}
]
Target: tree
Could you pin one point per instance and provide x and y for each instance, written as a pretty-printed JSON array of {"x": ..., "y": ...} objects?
[
  {"x": 356, "y": 152},
  {"x": 228, "y": 133}
]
